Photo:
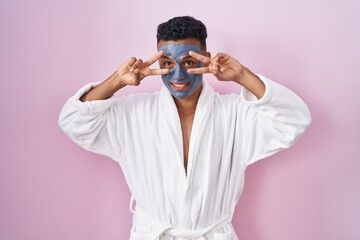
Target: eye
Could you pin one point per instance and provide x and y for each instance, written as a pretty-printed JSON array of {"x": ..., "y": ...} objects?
[
  {"x": 189, "y": 63},
  {"x": 166, "y": 64}
]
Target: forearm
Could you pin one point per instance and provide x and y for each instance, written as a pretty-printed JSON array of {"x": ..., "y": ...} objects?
[
  {"x": 105, "y": 89},
  {"x": 251, "y": 82}
]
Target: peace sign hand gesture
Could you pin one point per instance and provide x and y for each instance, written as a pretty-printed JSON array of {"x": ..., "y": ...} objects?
[
  {"x": 222, "y": 66},
  {"x": 134, "y": 70}
]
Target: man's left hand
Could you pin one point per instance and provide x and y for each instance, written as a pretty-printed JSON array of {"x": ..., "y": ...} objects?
[{"x": 222, "y": 66}]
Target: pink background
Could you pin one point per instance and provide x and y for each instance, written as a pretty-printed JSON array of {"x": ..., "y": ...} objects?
[{"x": 52, "y": 189}]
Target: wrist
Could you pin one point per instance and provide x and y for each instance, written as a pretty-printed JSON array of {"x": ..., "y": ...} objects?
[
  {"x": 251, "y": 82},
  {"x": 243, "y": 76},
  {"x": 116, "y": 81}
]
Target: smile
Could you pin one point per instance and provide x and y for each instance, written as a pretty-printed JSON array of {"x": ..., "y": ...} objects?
[{"x": 180, "y": 86}]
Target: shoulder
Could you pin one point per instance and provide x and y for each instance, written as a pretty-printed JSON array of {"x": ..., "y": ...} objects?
[
  {"x": 137, "y": 100},
  {"x": 226, "y": 103},
  {"x": 226, "y": 99}
]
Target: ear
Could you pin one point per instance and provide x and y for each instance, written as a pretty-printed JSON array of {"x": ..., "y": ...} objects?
[{"x": 207, "y": 54}]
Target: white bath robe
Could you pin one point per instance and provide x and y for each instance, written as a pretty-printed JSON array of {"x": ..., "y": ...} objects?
[{"x": 142, "y": 132}]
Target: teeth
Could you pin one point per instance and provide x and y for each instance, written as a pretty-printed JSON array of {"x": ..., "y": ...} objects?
[{"x": 179, "y": 84}]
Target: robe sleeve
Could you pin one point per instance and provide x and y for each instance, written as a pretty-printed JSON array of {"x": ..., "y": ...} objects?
[
  {"x": 271, "y": 123},
  {"x": 94, "y": 125}
]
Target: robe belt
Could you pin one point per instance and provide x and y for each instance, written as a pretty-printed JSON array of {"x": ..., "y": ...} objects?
[{"x": 159, "y": 228}]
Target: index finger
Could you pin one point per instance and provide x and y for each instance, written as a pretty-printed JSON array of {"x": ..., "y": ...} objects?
[
  {"x": 154, "y": 58},
  {"x": 200, "y": 57},
  {"x": 158, "y": 71},
  {"x": 201, "y": 70}
]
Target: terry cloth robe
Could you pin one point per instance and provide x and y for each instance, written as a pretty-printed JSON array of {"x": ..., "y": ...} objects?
[{"x": 142, "y": 132}]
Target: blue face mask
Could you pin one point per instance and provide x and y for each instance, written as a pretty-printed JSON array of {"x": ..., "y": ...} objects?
[{"x": 180, "y": 83}]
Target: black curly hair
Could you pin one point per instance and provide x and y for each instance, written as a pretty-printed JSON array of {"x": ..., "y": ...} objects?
[{"x": 179, "y": 28}]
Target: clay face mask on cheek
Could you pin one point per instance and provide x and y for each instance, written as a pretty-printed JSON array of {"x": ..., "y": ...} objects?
[{"x": 180, "y": 83}]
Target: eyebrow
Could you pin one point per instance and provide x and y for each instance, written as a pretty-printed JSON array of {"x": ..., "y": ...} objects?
[
  {"x": 187, "y": 56},
  {"x": 166, "y": 57},
  {"x": 181, "y": 58}
]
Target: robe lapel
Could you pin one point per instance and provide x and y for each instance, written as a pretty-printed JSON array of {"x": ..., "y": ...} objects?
[
  {"x": 202, "y": 116},
  {"x": 171, "y": 131},
  {"x": 173, "y": 134}
]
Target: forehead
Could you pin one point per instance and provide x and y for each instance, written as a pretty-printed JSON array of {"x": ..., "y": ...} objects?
[{"x": 177, "y": 50}]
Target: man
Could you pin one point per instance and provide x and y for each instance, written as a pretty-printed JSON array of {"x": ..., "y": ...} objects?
[{"x": 184, "y": 149}]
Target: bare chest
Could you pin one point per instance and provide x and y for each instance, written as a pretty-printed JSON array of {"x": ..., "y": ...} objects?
[{"x": 186, "y": 126}]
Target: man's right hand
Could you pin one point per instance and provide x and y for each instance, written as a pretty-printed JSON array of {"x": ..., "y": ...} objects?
[
  {"x": 134, "y": 70},
  {"x": 129, "y": 73}
]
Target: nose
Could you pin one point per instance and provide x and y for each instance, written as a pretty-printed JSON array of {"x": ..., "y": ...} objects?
[{"x": 178, "y": 74}]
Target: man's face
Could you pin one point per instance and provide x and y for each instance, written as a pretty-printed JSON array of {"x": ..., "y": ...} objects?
[{"x": 176, "y": 58}]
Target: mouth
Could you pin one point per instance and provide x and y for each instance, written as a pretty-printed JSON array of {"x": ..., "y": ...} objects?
[{"x": 180, "y": 86}]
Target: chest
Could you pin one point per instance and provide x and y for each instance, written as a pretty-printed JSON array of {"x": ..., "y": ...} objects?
[{"x": 186, "y": 127}]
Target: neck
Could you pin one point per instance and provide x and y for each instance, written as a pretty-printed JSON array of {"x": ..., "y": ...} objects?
[{"x": 188, "y": 105}]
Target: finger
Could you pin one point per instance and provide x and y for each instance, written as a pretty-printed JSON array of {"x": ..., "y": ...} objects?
[
  {"x": 154, "y": 58},
  {"x": 200, "y": 70},
  {"x": 136, "y": 65},
  {"x": 158, "y": 71},
  {"x": 200, "y": 57},
  {"x": 131, "y": 61},
  {"x": 214, "y": 68},
  {"x": 126, "y": 65},
  {"x": 218, "y": 55},
  {"x": 222, "y": 57}
]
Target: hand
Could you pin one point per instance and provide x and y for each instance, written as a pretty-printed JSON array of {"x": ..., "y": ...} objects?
[
  {"x": 135, "y": 70},
  {"x": 222, "y": 66}
]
